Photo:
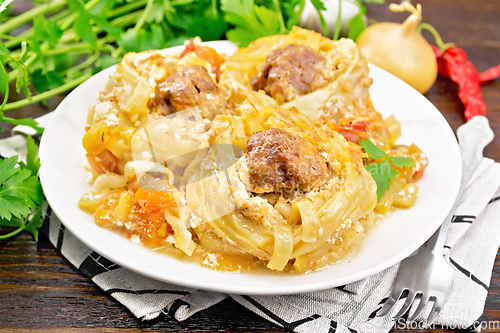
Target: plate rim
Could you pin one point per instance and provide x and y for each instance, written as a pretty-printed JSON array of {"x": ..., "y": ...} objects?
[{"x": 259, "y": 290}]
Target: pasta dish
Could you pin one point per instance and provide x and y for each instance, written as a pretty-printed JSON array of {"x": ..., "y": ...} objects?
[{"x": 246, "y": 161}]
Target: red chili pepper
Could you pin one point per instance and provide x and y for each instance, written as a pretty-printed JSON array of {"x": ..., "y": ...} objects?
[
  {"x": 442, "y": 70},
  {"x": 486, "y": 76},
  {"x": 454, "y": 64},
  {"x": 463, "y": 73},
  {"x": 490, "y": 74}
]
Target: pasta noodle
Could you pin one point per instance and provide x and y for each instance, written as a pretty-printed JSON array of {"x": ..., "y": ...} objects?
[{"x": 253, "y": 164}]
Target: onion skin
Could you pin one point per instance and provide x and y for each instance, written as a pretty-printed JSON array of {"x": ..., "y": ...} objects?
[{"x": 402, "y": 51}]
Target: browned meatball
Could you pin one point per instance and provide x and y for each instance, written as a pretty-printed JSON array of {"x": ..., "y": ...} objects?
[
  {"x": 289, "y": 72},
  {"x": 282, "y": 162},
  {"x": 188, "y": 88}
]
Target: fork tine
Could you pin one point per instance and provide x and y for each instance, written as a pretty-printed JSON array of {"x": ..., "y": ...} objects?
[
  {"x": 390, "y": 302},
  {"x": 406, "y": 306},
  {"x": 387, "y": 307},
  {"x": 420, "y": 308},
  {"x": 436, "y": 309}
]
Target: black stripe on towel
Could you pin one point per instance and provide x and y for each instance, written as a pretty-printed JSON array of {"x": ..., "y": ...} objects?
[
  {"x": 474, "y": 325},
  {"x": 383, "y": 300},
  {"x": 95, "y": 264},
  {"x": 333, "y": 327},
  {"x": 46, "y": 222},
  {"x": 146, "y": 291},
  {"x": 493, "y": 200},
  {"x": 373, "y": 314},
  {"x": 288, "y": 326},
  {"x": 60, "y": 237},
  {"x": 352, "y": 331},
  {"x": 176, "y": 305},
  {"x": 463, "y": 218},
  {"x": 302, "y": 321},
  {"x": 468, "y": 274}
]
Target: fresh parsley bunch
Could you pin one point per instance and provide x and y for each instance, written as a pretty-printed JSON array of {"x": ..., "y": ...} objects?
[
  {"x": 62, "y": 43},
  {"x": 21, "y": 194}
]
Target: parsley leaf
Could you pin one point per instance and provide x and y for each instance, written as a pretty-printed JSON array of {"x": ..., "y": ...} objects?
[
  {"x": 382, "y": 174},
  {"x": 401, "y": 162},
  {"x": 32, "y": 162},
  {"x": 154, "y": 39},
  {"x": 3, "y": 49},
  {"x": 371, "y": 149},
  {"x": 4, "y": 4},
  {"x": 109, "y": 28},
  {"x": 20, "y": 193},
  {"x": 83, "y": 29},
  {"x": 25, "y": 121},
  {"x": 320, "y": 6},
  {"x": 20, "y": 189},
  {"x": 7, "y": 168},
  {"x": 13, "y": 222},
  {"x": 132, "y": 40},
  {"x": 104, "y": 62},
  {"x": 102, "y": 6},
  {"x": 177, "y": 41},
  {"x": 207, "y": 27},
  {"x": 357, "y": 23},
  {"x": 82, "y": 26},
  {"x": 46, "y": 30},
  {"x": 356, "y": 26},
  {"x": 35, "y": 222},
  {"x": 293, "y": 10},
  {"x": 45, "y": 81},
  {"x": 249, "y": 20}
]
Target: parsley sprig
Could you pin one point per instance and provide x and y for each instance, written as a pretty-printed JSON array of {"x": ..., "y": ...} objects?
[
  {"x": 66, "y": 41},
  {"x": 383, "y": 172},
  {"x": 21, "y": 194},
  {"x": 62, "y": 43}
]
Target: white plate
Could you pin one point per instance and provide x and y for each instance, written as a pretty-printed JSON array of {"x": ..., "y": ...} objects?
[{"x": 64, "y": 181}]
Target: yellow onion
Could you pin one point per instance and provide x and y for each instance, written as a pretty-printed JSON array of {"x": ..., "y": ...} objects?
[{"x": 400, "y": 49}]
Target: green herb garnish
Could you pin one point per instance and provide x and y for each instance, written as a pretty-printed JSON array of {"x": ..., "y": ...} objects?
[{"x": 383, "y": 172}]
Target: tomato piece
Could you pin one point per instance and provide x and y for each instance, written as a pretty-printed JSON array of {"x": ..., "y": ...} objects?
[
  {"x": 422, "y": 161},
  {"x": 155, "y": 202},
  {"x": 103, "y": 162},
  {"x": 354, "y": 129},
  {"x": 415, "y": 173},
  {"x": 205, "y": 53},
  {"x": 152, "y": 229}
]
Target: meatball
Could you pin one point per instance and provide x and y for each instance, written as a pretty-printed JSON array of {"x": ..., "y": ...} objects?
[
  {"x": 281, "y": 162},
  {"x": 290, "y": 72},
  {"x": 190, "y": 87}
]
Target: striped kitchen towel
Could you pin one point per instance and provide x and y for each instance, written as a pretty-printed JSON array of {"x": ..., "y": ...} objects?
[{"x": 471, "y": 245}]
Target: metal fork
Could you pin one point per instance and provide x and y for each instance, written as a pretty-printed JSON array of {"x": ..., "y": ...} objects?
[{"x": 428, "y": 273}]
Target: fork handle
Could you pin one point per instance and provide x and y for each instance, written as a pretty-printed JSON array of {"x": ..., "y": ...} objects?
[{"x": 472, "y": 137}]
